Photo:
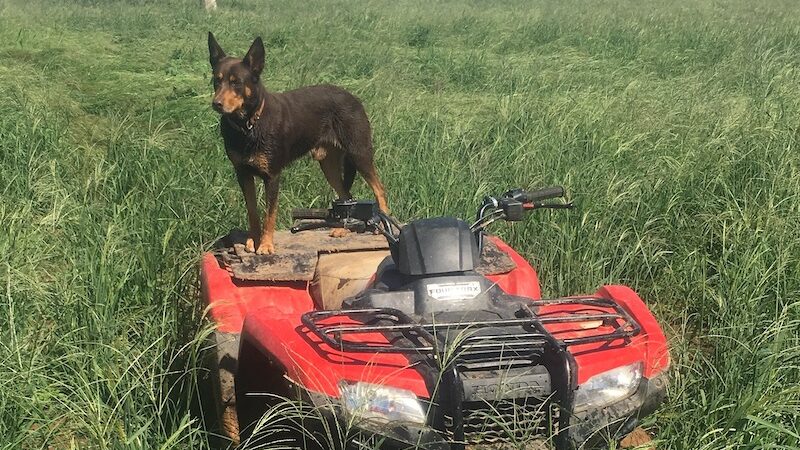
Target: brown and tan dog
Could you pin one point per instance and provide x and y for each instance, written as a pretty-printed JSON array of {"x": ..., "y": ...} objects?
[{"x": 265, "y": 131}]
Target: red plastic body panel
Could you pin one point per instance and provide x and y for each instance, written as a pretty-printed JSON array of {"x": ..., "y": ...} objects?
[
  {"x": 269, "y": 316},
  {"x": 231, "y": 300},
  {"x": 649, "y": 346},
  {"x": 523, "y": 280},
  {"x": 318, "y": 367}
]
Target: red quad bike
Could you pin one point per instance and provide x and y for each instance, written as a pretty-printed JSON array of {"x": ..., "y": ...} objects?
[{"x": 428, "y": 335}]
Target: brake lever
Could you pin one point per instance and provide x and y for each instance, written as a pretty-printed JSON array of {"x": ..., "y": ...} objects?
[
  {"x": 534, "y": 205},
  {"x": 308, "y": 226},
  {"x": 568, "y": 205},
  {"x": 348, "y": 224}
]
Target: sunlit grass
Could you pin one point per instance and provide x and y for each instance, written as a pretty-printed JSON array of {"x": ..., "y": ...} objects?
[{"x": 674, "y": 125}]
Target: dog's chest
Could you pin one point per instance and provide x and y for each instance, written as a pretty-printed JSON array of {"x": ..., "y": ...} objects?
[
  {"x": 258, "y": 161},
  {"x": 249, "y": 150}
]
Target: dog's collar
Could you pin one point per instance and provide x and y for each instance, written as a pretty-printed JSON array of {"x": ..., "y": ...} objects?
[{"x": 252, "y": 122}]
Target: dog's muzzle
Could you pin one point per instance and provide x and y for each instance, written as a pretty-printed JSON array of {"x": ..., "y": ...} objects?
[{"x": 217, "y": 105}]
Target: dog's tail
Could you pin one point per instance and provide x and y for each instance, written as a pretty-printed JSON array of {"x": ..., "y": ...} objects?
[{"x": 348, "y": 173}]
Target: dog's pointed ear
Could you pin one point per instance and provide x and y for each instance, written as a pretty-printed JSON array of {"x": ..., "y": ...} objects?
[
  {"x": 255, "y": 57},
  {"x": 215, "y": 52}
]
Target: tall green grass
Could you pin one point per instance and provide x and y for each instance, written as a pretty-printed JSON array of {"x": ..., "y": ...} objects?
[{"x": 673, "y": 124}]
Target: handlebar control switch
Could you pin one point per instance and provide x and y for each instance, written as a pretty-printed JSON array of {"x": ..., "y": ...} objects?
[
  {"x": 361, "y": 210},
  {"x": 513, "y": 209},
  {"x": 516, "y": 194}
]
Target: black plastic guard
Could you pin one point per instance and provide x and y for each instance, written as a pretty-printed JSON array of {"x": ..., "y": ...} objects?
[{"x": 436, "y": 246}]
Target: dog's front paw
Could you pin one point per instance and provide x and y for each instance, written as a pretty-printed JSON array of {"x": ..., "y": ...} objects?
[
  {"x": 339, "y": 232},
  {"x": 250, "y": 245},
  {"x": 266, "y": 248}
]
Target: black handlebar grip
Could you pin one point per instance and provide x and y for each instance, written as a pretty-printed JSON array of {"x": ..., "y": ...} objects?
[
  {"x": 309, "y": 213},
  {"x": 544, "y": 194}
]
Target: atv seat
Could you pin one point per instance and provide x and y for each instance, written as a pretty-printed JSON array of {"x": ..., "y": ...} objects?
[{"x": 342, "y": 275}]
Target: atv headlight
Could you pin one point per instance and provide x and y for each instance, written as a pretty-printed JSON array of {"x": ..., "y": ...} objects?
[
  {"x": 381, "y": 403},
  {"x": 608, "y": 387}
]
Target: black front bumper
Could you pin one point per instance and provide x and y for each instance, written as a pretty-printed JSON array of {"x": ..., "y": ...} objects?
[{"x": 588, "y": 429}]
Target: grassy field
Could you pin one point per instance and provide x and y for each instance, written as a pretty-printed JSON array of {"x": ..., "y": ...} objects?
[{"x": 675, "y": 125}]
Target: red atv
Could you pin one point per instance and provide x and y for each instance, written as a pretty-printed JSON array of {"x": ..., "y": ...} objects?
[{"x": 427, "y": 335}]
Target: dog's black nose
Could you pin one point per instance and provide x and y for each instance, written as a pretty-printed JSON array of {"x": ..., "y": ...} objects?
[{"x": 217, "y": 105}]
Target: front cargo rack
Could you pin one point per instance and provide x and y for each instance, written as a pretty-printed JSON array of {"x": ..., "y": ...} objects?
[
  {"x": 528, "y": 339},
  {"x": 337, "y": 328}
]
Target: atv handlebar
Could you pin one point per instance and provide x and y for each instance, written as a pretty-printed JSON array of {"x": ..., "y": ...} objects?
[
  {"x": 310, "y": 213},
  {"x": 537, "y": 195},
  {"x": 354, "y": 215},
  {"x": 513, "y": 204},
  {"x": 364, "y": 215},
  {"x": 543, "y": 194}
]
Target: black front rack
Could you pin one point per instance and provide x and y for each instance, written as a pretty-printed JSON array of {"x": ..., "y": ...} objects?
[
  {"x": 422, "y": 337},
  {"x": 523, "y": 336}
]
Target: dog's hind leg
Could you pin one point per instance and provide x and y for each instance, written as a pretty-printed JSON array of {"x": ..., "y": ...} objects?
[
  {"x": 348, "y": 172},
  {"x": 366, "y": 167},
  {"x": 266, "y": 245},
  {"x": 331, "y": 166},
  {"x": 371, "y": 177},
  {"x": 247, "y": 183}
]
